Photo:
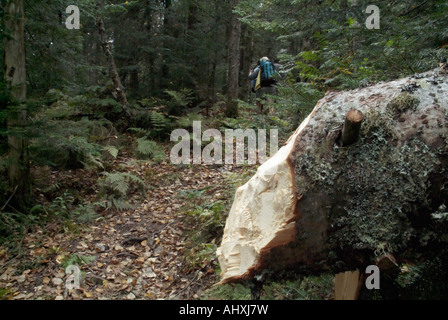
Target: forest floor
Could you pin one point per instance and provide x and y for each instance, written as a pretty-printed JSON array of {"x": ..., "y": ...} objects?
[{"x": 144, "y": 253}]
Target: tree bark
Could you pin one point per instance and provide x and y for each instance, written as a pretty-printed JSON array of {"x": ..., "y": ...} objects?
[
  {"x": 15, "y": 76},
  {"x": 119, "y": 91},
  {"x": 211, "y": 90},
  {"x": 234, "y": 63},
  {"x": 247, "y": 55}
]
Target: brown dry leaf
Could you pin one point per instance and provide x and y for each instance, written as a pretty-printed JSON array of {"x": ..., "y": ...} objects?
[
  {"x": 150, "y": 274},
  {"x": 130, "y": 296},
  {"x": 87, "y": 294},
  {"x": 61, "y": 274},
  {"x": 140, "y": 261}
]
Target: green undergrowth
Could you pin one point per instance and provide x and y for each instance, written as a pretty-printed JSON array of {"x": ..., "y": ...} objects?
[
  {"x": 291, "y": 288},
  {"x": 5, "y": 293}
]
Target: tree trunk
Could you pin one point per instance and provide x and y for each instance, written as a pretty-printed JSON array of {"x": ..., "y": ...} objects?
[
  {"x": 134, "y": 82},
  {"x": 211, "y": 89},
  {"x": 212, "y": 79},
  {"x": 15, "y": 76},
  {"x": 119, "y": 92},
  {"x": 247, "y": 56},
  {"x": 234, "y": 64}
]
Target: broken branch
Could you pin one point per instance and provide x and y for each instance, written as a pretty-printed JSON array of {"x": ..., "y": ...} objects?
[{"x": 352, "y": 127}]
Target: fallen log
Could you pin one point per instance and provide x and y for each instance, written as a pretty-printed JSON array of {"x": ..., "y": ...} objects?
[{"x": 324, "y": 204}]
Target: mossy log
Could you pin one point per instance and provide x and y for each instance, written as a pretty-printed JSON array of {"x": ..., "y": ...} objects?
[{"x": 320, "y": 206}]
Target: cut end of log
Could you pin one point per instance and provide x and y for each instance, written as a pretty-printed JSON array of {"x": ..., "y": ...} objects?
[
  {"x": 355, "y": 116},
  {"x": 262, "y": 216}
]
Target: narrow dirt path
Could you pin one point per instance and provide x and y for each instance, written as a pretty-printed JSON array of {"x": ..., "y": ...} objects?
[{"x": 135, "y": 254}]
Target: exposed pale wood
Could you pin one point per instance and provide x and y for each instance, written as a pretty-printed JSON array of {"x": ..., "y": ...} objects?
[{"x": 347, "y": 285}]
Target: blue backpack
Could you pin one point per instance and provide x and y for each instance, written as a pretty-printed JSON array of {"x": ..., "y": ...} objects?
[{"x": 267, "y": 71}]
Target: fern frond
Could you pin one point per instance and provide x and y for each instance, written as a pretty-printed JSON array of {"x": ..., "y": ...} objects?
[
  {"x": 186, "y": 122},
  {"x": 180, "y": 98},
  {"x": 147, "y": 149},
  {"x": 112, "y": 151},
  {"x": 115, "y": 188},
  {"x": 138, "y": 130}
]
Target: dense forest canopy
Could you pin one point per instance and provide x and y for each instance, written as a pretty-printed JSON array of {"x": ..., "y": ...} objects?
[
  {"x": 170, "y": 45},
  {"x": 79, "y": 99}
]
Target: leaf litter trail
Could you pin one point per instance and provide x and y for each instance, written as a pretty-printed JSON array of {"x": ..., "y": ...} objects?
[{"x": 135, "y": 254}]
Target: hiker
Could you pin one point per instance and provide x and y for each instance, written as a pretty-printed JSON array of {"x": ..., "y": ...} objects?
[{"x": 263, "y": 80}]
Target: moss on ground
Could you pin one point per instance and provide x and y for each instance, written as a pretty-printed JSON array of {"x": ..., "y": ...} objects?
[{"x": 292, "y": 287}]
